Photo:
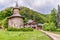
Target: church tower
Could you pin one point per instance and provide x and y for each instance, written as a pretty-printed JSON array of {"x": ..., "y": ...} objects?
[
  {"x": 16, "y": 9},
  {"x": 16, "y": 20}
]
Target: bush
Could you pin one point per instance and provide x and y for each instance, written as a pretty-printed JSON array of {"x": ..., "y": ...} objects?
[
  {"x": 49, "y": 27},
  {"x": 20, "y": 29},
  {"x": 4, "y": 23},
  {"x": 58, "y": 30},
  {"x": 26, "y": 29},
  {"x": 45, "y": 26},
  {"x": 12, "y": 29}
]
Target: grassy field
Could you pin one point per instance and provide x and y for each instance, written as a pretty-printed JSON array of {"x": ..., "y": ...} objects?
[{"x": 10, "y": 35}]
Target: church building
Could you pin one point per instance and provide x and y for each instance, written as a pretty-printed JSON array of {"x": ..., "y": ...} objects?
[{"x": 16, "y": 20}]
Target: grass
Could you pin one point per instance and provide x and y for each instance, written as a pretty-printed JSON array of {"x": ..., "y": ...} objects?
[{"x": 13, "y": 35}]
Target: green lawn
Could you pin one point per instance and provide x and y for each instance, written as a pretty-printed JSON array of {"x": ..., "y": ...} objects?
[{"x": 10, "y": 35}]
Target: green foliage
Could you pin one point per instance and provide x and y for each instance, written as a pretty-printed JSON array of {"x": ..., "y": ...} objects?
[
  {"x": 19, "y": 29},
  {"x": 26, "y": 29},
  {"x": 52, "y": 16},
  {"x": 26, "y": 20},
  {"x": 45, "y": 26},
  {"x": 49, "y": 27},
  {"x": 6, "y": 13},
  {"x": 12, "y": 29},
  {"x": 29, "y": 14},
  {"x": 4, "y": 23},
  {"x": 58, "y": 29},
  {"x": 26, "y": 12},
  {"x": 51, "y": 21}
]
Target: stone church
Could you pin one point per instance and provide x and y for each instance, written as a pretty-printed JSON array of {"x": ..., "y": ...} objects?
[{"x": 16, "y": 20}]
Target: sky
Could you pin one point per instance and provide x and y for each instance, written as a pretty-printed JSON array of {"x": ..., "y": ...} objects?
[{"x": 42, "y": 6}]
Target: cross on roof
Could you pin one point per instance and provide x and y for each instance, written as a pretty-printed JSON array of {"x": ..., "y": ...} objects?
[{"x": 16, "y": 3}]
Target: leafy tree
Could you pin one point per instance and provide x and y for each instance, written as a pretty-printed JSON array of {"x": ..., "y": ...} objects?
[
  {"x": 49, "y": 26},
  {"x": 4, "y": 23},
  {"x": 53, "y": 15},
  {"x": 51, "y": 21}
]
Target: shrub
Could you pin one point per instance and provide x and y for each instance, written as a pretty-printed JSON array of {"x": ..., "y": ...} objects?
[
  {"x": 12, "y": 29},
  {"x": 4, "y": 23},
  {"x": 49, "y": 27},
  {"x": 26, "y": 29},
  {"x": 58, "y": 29},
  {"x": 20, "y": 29},
  {"x": 45, "y": 26}
]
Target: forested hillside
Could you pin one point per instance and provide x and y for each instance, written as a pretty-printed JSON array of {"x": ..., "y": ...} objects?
[{"x": 26, "y": 13}]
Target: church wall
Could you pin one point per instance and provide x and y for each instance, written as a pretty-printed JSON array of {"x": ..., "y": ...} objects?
[
  {"x": 16, "y": 11},
  {"x": 16, "y": 22}
]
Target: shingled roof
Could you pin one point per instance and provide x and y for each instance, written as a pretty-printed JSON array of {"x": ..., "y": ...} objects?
[{"x": 16, "y": 14}]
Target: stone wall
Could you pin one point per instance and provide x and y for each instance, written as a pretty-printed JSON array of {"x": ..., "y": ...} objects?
[{"x": 15, "y": 22}]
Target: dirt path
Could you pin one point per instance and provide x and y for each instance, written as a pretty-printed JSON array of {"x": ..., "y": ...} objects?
[{"x": 52, "y": 35}]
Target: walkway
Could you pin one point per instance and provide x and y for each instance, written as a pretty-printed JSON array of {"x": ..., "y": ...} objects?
[{"x": 52, "y": 35}]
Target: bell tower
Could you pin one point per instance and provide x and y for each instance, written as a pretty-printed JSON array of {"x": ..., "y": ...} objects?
[
  {"x": 16, "y": 9},
  {"x": 16, "y": 20}
]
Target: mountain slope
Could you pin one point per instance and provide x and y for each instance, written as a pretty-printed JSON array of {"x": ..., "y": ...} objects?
[{"x": 26, "y": 12}]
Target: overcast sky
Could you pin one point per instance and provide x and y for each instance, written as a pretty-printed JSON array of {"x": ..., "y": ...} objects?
[{"x": 43, "y": 6}]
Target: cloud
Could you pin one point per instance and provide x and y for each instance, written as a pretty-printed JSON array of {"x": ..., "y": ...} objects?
[{"x": 43, "y": 6}]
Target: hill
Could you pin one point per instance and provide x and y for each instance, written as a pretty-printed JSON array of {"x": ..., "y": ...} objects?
[{"x": 26, "y": 12}]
